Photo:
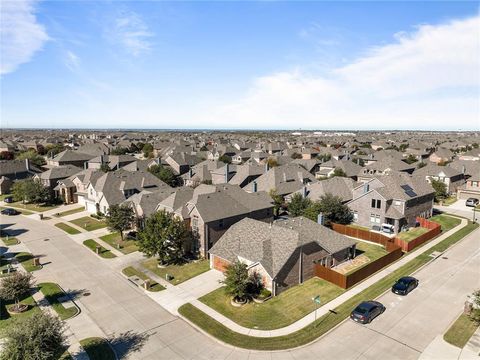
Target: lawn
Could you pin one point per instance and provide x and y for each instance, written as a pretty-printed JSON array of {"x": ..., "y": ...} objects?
[
  {"x": 461, "y": 331},
  {"x": 371, "y": 251},
  {"x": 447, "y": 222},
  {"x": 32, "y": 207},
  {"x": 355, "y": 226},
  {"x": 180, "y": 273},
  {"x": 67, "y": 228},
  {"x": 26, "y": 259},
  {"x": 282, "y": 310},
  {"x": 449, "y": 200},
  {"x": 52, "y": 292},
  {"x": 131, "y": 271},
  {"x": 9, "y": 240},
  {"x": 325, "y": 322},
  {"x": 97, "y": 349},
  {"x": 412, "y": 233},
  {"x": 104, "y": 253},
  {"x": 6, "y": 319},
  {"x": 88, "y": 223},
  {"x": 126, "y": 246},
  {"x": 70, "y": 212}
]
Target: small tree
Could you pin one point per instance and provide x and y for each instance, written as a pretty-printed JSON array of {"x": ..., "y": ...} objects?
[
  {"x": 410, "y": 159},
  {"x": 339, "y": 172},
  {"x": 120, "y": 218},
  {"x": 105, "y": 168},
  {"x": 475, "y": 315},
  {"x": 237, "y": 280},
  {"x": 29, "y": 190},
  {"x": 15, "y": 286},
  {"x": 6, "y": 155},
  {"x": 272, "y": 162},
  {"x": 225, "y": 158},
  {"x": 332, "y": 209},
  {"x": 298, "y": 204},
  {"x": 277, "y": 200},
  {"x": 164, "y": 173},
  {"x": 440, "y": 189},
  {"x": 32, "y": 155},
  {"x": 38, "y": 337},
  {"x": 164, "y": 236},
  {"x": 324, "y": 157},
  {"x": 296, "y": 155},
  {"x": 147, "y": 150}
]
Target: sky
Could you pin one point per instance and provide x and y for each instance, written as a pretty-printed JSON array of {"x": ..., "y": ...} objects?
[{"x": 240, "y": 65}]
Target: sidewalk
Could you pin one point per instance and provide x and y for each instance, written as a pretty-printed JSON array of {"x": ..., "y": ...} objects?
[{"x": 300, "y": 324}]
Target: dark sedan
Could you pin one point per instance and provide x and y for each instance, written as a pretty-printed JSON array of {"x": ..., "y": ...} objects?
[
  {"x": 9, "y": 212},
  {"x": 366, "y": 311},
  {"x": 404, "y": 285},
  {"x": 8, "y": 199}
]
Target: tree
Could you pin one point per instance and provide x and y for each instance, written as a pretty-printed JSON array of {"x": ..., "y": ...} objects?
[
  {"x": 105, "y": 168},
  {"x": 421, "y": 164},
  {"x": 332, "y": 209},
  {"x": 38, "y": 337},
  {"x": 359, "y": 161},
  {"x": 475, "y": 314},
  {"x": 30, "y": 191},
  {"x": 6, "y": 155},
  {"x": 296, "y": 155},
  {"x": 410, "y": 159},
  {"x": 15, "y": 286},
  {"x": 324, "y": 157},
  {"x": 272, "y": 162},
  {"x": 277, "y": 200},
  {"x": 147, "y": 150},
  {"x": 120, "y": 218},
  {"x": 119, "y": 150},
  {"x": 403, "y": 147},
  {"x": 164, "y": 235},
  {"x": 32, "y": 155},
  {"x": 225, "y": 158},
  {"x": 298, "y": 204},
  {"x": 237, "y": 281},
  {"x": 440, "y": 189},
  {"x": 165, "y": 174},
  {"x": 53, "y": 149},
  {"x": 339, "y": 172}
]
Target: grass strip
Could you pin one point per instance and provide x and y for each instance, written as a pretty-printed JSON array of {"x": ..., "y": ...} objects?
[
  {"x": 52, "y": 293},
  {"x": 67, "y": 228},
  {"x": 131, "y": 271},
  {"x": 461, "y": 331},
  {"x": 97, "y": 348},
  {"x": 325, "y": 322},
  {"x": 104, "y": 253}
]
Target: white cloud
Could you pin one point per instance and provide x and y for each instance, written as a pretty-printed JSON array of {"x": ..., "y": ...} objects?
[
  {"x": 130, "y": 31},
  {"x": 21, "y": 35},
  {"x": 428, "y": 78},
  {"x": 72, "y": 61}
]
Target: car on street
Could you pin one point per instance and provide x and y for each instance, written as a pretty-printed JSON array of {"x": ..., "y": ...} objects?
[
  {"x": 8, "y": 199},
  {"x": 472, "y": 202},
  {"x": 366, "y": 311},
  {"x": 9, "y": 212},
  {"x": 404, "y": 285}
]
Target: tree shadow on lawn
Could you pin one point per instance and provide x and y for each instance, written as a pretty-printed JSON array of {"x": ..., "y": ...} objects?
[
  {"x": 128, "y": 342},
  {"x": 11, "y": 232}
]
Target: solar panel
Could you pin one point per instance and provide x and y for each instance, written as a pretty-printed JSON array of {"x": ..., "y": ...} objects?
[
  {"x": 406, "y": 187},
  {"x": 411, "y": 193}
]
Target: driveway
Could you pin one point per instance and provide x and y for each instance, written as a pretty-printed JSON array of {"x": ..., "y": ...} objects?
[{"x": 459, "y": 208}]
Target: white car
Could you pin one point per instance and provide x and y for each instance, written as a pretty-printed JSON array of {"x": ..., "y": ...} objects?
[{"x": 472, "y": 202}]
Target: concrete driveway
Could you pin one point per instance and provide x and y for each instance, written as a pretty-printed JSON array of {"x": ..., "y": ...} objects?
[{"x": 459, "y": 208}]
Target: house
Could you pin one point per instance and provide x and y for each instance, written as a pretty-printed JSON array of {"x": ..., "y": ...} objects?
[
  {"x": 337, "y": 186},
  {"x": 13, "y": 170},
  {"x": 74, "y": 188},
  {"x": 145, "y": 203},
  {"x": 114, "y": 187},
  {"x": 441, "y": 155},
  {"x": 95, "y": 149},
  {"x": 283, "y": 253},
  {"x": 69, "y": 157},
  {"x": 213, "y": 209},
  {"x": 451, "y": 177},
  {"x": 383, "y": 167},
  {"x": 395, "y": 199},
  {"x": 181, "y": 162},
  {"x": 471, "y": 189},
  {"x": 327, "y": 168},
  {"x": 114, "y": 162},
  {"x": 246, "y": 173},
  {"x": 472, "y": 155},
  {"x": 51, "y": 177}
]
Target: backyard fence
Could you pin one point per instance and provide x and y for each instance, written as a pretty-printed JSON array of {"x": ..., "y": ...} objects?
[{"x": 433, "y": 230}]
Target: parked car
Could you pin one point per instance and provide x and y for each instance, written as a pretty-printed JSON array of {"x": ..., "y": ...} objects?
[
  {"x": 366, "y": 311},
  {"x": 8, "y": 199},
  {"x": 404, "y": 285},
  {"x": 472, "y": 202},
  {"x": 9, "y": 212}
]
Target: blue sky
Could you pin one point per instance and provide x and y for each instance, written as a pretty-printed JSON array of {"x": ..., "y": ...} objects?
[{"x": 311, "y": 65}]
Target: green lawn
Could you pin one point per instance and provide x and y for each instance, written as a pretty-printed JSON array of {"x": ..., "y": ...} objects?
[
  {"x": 325, "y": 322},
  {"x": 6, "y": 319},
  {"x": 282, "y": 310},
  {"x": 447, "y": 222},
  {"x": 104, "y": 253},
  {"x": 52, "y": 292},
  {"x": 180, "y": 273},
  {"x": 355, "y": 226},
  {"x": 70, "y": 212},
  {"x": 67, "y": 228},
  {"x": 97, "y": 349},
  {"x": 412, "y": 233},
  {"x": 449, "y": 200},
  {"x": 372, "y": 251},
  {"x": 131, "y": 271},
  {"x": 88, "y": 223},
  {"x": 32, "y": 207},
  {"x": 461, "y": 331},
  {"x": 126, "y": 246},
  {"x": 26, "y": 259},
  {"x": 12, "y": 240}
]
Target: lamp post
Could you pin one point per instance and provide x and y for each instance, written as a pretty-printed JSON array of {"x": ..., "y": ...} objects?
[{"x": 316, "y": 300}]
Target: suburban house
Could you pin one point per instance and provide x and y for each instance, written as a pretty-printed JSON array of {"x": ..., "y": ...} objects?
[
  {"x": 395, "y": 199},
  {"x": 472, "y": 155},
  {"x": 114, "y": 187},
  {"x": 114, "y": 162},
  {"x": 441, "y": 155},
  {"x": 213, "y": 209},
  {"x": 69, "y": 157},
  {"x": 284, "y": 253},
  {"x": 471, "y": 189},
  {"x": 181, "y": 162},
  {"x": 384, "y": 167},
  {"x": 51, "y": 177},
  {"x": 246, "y": 173},
  {"x": 337, "y": 186},
  {"x": 74, "y": 188},
  {"x": 13, "y": 170},
  {"x": 451, "y": 177},
  {"x": 145, "y": 203},
  {"x": 327, "y": 168}
]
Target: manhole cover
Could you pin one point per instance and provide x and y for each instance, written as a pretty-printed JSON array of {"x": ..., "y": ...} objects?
[{"x": 86, "y": 294}]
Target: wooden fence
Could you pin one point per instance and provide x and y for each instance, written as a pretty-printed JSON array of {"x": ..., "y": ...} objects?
[{"x": 434, "y": 230}]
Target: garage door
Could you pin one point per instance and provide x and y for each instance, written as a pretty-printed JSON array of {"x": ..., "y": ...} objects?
[{"x": 91, "y": 208}]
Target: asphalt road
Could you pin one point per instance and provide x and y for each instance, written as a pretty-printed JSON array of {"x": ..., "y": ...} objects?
[{"x": 141, "y": 329}]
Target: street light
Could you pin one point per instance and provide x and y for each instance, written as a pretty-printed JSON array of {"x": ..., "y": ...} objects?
[{"x": 316, "y": 300}]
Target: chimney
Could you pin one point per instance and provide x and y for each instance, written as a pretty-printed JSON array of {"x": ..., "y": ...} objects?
[
  {"x": 304, "y": 192},
  {"x": 366, "y": 188},
  {"x": 226, "y": 173},
  {"x": 266, "y": 167},
  {"x": 27, "y": 164},
  {"x": 190, "y": 173},
  {"x": 85, "y": 165},
  {"x": 320, "y": 219},
  {"x": 254, "y": 186}
]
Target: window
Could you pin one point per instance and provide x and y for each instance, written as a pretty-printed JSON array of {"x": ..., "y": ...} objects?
[
  {"x": 377, "y": 219},
  {"x": 195, "y": 225},
  {"x": 376, "y": 204},
  {"x": 373, "y": 203},
  {"x": 379, "y": 204},
  {"x": 372, "y": 218}
]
